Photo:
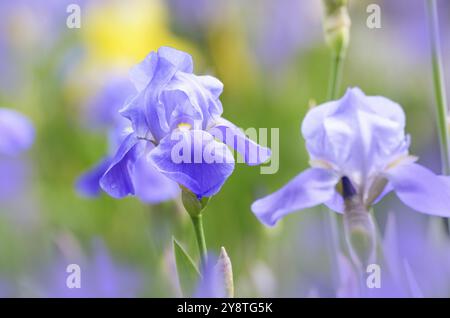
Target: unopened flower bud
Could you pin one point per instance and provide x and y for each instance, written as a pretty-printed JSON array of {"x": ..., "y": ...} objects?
[
  {"x": 193, "y": 205},
  {"x": 358, "y": 225},
  {"x": 336, "y": 25},
  {"x": 225, "y": 270}
]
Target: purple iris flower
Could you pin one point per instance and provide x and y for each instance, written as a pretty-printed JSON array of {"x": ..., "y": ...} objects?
[
  {"x": 150, "y": 185},
  {"x": 358, "y": 139},
  {"x": 174, "y": 114},
  {"x": 16, "y": 136}
]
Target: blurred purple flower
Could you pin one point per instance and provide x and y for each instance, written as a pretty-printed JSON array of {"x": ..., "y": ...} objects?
[
  {"x": 174, "y": 108},
  {"x": 16, "y": 132},
  {"x": 100, "y": 277},
  {"x": 14, "y": 175},
  {"x": 277, "y": 29},
  {"x": 211, "y": 283},
  {"x": 359, "y": 139},
  {"x": 406, "y": 22},
  {"x": 150, "y": 185},
  {"x": 197, "y": 15},
  {"x": 284, "y": 28},
  {"x": 29, "y": 31},
  {"x": 103, "y": 108},
  {"x": 16, "y": 136}
]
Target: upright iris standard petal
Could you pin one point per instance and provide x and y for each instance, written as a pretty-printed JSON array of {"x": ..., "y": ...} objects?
[
  {"x": 88, "y": 184},
  {"x": 251, "y": 152},
  {"x": 150, "y": 77},
  {"x": 178, "y": 109},
  {"x": 16, "y": 132},
  {"x": 311, "y": 187},
  {"x": 358, "y": 134},
  {"x": 195, "y": 160},
  {"x": 181, "y": 60},
  {"x": 143, "y": 73},
  {"x": 143, "y": 110},
  {"x": 212, "y": 84},
  {"x": 421, "y": 189},
  {"x": 202, "y": 93},
  {"x": 118, "y": 179}
]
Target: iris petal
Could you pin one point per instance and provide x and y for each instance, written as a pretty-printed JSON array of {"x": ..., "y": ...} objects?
[
  {"x": 202, "y": 92},
  {"x": 336, "y": 203},
  {"x": 88, "y": 184},
  {"x": 151, "y": 76},
  {"x": 118, "y": 179},
  {"x": 181, "y": 60},
  {"x": 311, "y": 187},
  {"x": 143, "y": 73},
  {"x": 357, "y": 133},
  {"x": 152, "y": 186},
  {"x": 251, "y": 152},
  {"x": 183, "y": 157},
  {"x": 420, "y": 189}
]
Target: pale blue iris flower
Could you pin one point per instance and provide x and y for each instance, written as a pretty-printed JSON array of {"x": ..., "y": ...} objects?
[{"x": 359, "y": 139}]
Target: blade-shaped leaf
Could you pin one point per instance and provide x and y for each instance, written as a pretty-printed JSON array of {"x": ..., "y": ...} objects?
[{"x": 188, "y": 274}]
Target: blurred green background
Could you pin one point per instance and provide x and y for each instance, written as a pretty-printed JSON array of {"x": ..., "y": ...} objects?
[{"x": 273, "y": 61}]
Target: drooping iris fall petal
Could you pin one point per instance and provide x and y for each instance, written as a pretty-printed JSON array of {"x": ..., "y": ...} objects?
[
  {"x": 420, "y": 189},
  {"x": 195, "y": 160},
  {"x": 311, "y": 187}
]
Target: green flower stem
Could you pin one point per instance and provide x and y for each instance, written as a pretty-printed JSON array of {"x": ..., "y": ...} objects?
[
  {"x": 439, "y": 85},
  {"x": 200, "y": 236},
  {"x": 334, "y": 84}
]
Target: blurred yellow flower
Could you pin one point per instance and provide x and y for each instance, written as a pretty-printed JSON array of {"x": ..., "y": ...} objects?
[
  {"x": 116, "y": 35},
  {"x": 124, "y": 32}
]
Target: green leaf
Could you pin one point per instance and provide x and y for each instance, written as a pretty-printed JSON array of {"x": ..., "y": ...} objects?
[{"x": 188, "y": 274}]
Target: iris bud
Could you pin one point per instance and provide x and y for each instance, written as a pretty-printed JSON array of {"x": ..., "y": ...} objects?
[
  {"x": 358, "y": 225},
  {"x": 193, "y": 205},
  {"x": 336, "y": 25},
  {"x": 225, "y": 270}
]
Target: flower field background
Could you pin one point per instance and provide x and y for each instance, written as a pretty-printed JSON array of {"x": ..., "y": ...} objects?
[{"x": 274, "y": 64}]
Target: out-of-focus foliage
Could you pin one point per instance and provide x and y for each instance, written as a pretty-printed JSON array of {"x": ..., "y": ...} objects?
[{"x": 273, "y": 61}]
